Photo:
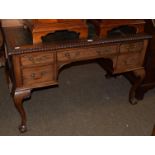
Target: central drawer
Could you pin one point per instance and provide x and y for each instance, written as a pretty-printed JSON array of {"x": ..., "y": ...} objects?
[{"x": 87, "y": 53}]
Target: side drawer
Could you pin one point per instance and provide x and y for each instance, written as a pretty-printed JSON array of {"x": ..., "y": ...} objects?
[
  {"x": 37, "y": 58},
  {"x": 38, "y": 75},
  {"x": 128, "y": 61},
  {"x": 132, "y": 47}
]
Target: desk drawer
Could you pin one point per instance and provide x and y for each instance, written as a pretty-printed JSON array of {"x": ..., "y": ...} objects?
[
  {"x": 34, "y": 75},
  {"x": 37, "y": 58},
  {"x": 131, "y": 47},
  {"x": 87, "y": 53},
  {"x": 128, "y": 61}
]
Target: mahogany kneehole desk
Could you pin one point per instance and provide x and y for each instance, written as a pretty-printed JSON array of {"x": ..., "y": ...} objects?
[{"x": 34, "y": 66}]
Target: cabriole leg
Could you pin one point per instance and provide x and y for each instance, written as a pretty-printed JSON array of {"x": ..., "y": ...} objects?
[
  {"x": 18, "y": 97},
  {"x": 140, "y": 74}
]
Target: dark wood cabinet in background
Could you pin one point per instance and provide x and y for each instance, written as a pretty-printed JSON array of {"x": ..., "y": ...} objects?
[{"x": 41, "y": 27}]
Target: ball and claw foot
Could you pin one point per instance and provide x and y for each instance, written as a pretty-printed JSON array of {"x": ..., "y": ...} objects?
[
  {"x": 22, "y": 128},
  {"x": 133, "y": 101}
]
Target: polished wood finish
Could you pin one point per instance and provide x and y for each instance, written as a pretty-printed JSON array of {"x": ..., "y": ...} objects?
[
  {"x": 103, "y": 26},
  {"x": 33, "y": 66},
  {"x": 42, "y": 27},
  {"x": 149, "y": 80}
]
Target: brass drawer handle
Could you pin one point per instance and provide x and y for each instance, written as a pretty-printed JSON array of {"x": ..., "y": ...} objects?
[
  {"x": 127, "y": 62},
  {"x": 130, "y": 61},
  {"x": 67, "y": 55},
  {"x": 131, "y": 46},
  {"x": 35, "y": 76}
]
